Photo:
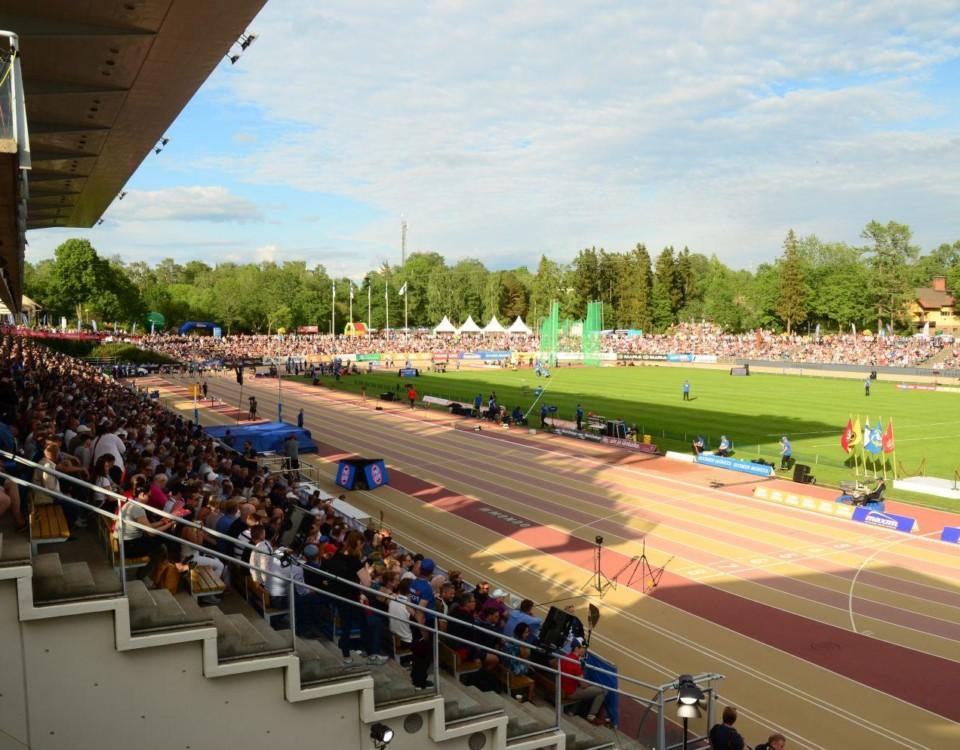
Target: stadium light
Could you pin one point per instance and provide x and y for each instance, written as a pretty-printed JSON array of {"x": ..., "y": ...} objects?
[
  {"x": 232, "y": 58},
  {"x": 247, "y": 40},
  {"x": 123, "y": 194},
  {"x": 381, "y": 734},
  {"x": 689, "y": 696}
]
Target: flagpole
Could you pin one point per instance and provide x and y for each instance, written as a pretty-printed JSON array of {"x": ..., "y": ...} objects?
[
  {"x": 884, "y": 459},
  {"x": 369, "y": 305},
  {"x": 405, "y": 295},
  {"x": 386, "y": 294},
  {"x": 351, "y": 304},
  {"x": 856, "y": 464},
  {"x": 893, "y": 435},
  {"x": 333, "y": 307}
]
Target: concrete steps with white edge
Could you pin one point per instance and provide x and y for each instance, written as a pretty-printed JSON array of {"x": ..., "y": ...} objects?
[
  {"x": 14, "y": 545},
  {"x": 155, "y": 610},
  {"x": 55, "y": 581}
]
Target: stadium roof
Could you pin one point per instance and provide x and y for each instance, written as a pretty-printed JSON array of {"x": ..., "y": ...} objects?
[{"x": 103, "y": 82}]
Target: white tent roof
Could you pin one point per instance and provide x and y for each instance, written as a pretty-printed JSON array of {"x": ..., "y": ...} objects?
[
  {"x": 445, "y": 326},
  {"x": 470, "y": 326},
  {"x": 518, "y": 326},
  {"x": 494, "y": 326}
]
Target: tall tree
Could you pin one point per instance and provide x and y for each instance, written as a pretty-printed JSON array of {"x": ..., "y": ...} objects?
[
  {"x": 889, "y": 255},
  {"x": 669, "y": 282},
  {"x": 792, "y": 299},
  {"x": 586, "y": 280},
  {"x": 636, "y": 290}
]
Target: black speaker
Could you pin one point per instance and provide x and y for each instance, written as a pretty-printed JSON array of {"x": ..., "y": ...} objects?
[
  {"x": 801, "y": 473},
  {"x": 555, "y": 629}
]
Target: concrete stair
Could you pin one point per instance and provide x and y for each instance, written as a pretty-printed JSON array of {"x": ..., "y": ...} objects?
[
  {"x": 14, "y": 545},
  {"x": 55, "y": 581},
  {"x": 153, "y": 610},
  {"x": 238, "y": 637}
]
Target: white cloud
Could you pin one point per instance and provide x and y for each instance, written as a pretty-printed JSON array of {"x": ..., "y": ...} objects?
[{"x": 198, "y": 203}]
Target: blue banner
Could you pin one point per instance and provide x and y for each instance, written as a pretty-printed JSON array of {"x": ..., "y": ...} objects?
[
  {"x": 735, "y": 464},
  {"x": 409, "y": 372},
  {"x": 679, "y": 358},
  {"x": 950, "y": 534},
  {"x": 612, "y": 701},
  {"x": 494, "y": 355},
  {"x": 376, "y": 474},
  {"x": 885, "y": 520}
]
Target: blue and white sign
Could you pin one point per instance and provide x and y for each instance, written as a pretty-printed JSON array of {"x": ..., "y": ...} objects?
[
  {"x": 679, "y": 358},
  {"x": 950, "y": 534},
  {"x": 885, "y": 520},
  {"x": 735, "y": 464},
  {"x": 376, "y": 474}
]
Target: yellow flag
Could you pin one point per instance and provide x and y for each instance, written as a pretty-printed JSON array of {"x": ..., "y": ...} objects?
[{"x": 856, "y": 435}]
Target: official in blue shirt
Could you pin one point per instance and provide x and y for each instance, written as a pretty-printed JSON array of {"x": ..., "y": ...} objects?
[
  {"x": 785, "y": 452},
  {"x": 543, "y": 416},
  {"x": 724, "y": 449},
  {"x": 686, "y": 390},
  {"x": 579, "y": 418},
  {"x": 477, "y": 403}
]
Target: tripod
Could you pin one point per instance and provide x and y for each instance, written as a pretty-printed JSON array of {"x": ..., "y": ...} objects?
[
  {"x": 641, "y": 565},
  {"x": 597, "y": 580}
]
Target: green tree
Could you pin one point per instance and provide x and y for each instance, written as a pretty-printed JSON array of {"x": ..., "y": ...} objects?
[
  {"x": 792, "y": 298},
  {"x": 889, "y": 256},
  {"x": 636, "y": 290},
  {"x": 585, "y": 278},
  {"x": 82, "y": 283},
  {"x": 668, "y": 288},
  {"x": 547, "y": 287}
]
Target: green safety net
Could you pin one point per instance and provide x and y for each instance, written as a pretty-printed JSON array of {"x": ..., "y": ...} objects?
[
  {"x": 591, "y": 333},
  {"x": 549, "y": 334}
]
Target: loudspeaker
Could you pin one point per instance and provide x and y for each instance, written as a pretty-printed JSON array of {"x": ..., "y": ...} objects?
[
  {"x": 801, "y": 473},
  {"x": 555, "y": 629}
]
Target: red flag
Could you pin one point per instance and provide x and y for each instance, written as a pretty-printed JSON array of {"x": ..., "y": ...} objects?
[
  {"x": 845, "y": 438},
  {"x": 888, "y": 446}
]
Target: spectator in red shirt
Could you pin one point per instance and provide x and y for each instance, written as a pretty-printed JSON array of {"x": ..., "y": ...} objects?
[
  {"x": 572, "y": 688},
  {"x": 158, "y": 492},
  {"x": 412, "y": 395}
]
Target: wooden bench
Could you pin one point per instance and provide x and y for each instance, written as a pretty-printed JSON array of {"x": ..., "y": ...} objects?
[
  {"x": 48, "y": 524},
  {"x": 515, "y": 684},
  {"x": 203, "y": 582},
  {"x": 451, "y": 660},
  {"x": 259, "y": 599},
  {"x": 400, "y": 651}
]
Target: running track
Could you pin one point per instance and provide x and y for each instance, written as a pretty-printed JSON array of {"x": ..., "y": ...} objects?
[{"x": 771, "y": 577}]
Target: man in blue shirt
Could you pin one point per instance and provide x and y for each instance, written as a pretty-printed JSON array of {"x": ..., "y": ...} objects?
[
  {"x": 686, "y": 390},
  {"x": 524, "y": 614},
  {"x": 579, "y": 418},
  {"x": 724, "y": 449},
  {"x": 866, "y": 387},
  {"x": 477, "y": 403},
  {"x": 421, "y": 592},
  {"x": 785, "y": 453},
  {"x": 543, "y": 416}
]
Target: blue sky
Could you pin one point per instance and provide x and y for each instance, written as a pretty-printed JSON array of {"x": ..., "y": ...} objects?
[{"x": 502, "y": 131}]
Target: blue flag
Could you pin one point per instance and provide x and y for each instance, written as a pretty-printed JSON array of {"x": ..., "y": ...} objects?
[{"x": 873, "y": 438}]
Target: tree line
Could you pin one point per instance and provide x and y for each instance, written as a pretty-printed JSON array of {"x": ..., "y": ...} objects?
[{"x": 810, "y": 283}]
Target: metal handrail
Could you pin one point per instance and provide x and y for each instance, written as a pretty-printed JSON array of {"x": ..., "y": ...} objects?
[{"x": 294, "y": 584}]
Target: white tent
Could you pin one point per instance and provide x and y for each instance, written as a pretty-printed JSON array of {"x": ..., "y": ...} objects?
[
  {"x": 518, "y": 326},
  {"x": 494, "y": 326},
  {"x": 445, "y": 326},
  {"x": 470, "y": 326}
]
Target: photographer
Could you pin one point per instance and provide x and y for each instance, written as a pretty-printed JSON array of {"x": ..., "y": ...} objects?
[{"x": 267, "y": 568}]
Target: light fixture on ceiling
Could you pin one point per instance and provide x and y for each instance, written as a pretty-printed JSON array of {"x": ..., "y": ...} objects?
[{"x": 381, "y": 734}]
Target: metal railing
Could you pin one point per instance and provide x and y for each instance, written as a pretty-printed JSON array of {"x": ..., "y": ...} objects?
[{"x": 659, "y": 700}]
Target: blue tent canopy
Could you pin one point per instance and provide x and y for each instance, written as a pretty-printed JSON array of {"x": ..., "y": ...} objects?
[
  {"x": 197, "y": 325},
  {"x": 266, "y": 436}
]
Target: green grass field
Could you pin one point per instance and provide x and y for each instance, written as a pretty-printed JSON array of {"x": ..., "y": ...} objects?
[{"x": 753, "y": 412}]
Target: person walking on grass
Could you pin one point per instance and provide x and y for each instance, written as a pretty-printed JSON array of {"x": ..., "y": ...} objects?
[
  {"x": 786, "y": 451},
  {"x": 686, "y": 390},
  {"x": 866, "y": 387}
]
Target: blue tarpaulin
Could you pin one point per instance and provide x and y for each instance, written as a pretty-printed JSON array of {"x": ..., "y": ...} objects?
[{"x": 267, "y": 436}]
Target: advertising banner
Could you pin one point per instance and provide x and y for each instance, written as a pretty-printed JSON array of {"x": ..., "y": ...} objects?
[
  {"x": 818, "y": 505},
  {"x": 374, "y": 357},
  {"x": 679, "y": 358},
  {"x": 376, "y": 474},
  {"x": 950, "y": 534},
  {"x": 735, "y": 464},
  {"x": 346, "y": 474},
  {"x": 885, "y": 520}
]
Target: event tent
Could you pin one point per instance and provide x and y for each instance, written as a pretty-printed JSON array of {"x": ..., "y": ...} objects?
[
  {"x": 518, "y": 326},
  {"x": 470, "y": 326},
  {"x": 494, "y": 326},
  {"x": 445, "y": 326}
]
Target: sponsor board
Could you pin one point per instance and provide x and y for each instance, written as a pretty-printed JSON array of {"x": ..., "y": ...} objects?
[
  {"x": 816, "y": 504},
  {"x": 950, "y": 534},
  {"x": 630, "y": 445},
  {"x": 707, "y": 359},
  {"x": 372, "y": 357},
  {"x": 885, "y": 520},
  {"x": 642, "y": 357},
  {"x": 679, "y": 358},
  {"x": 735, "y": 464}
]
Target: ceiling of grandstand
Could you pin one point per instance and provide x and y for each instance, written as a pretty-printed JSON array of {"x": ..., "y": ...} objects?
[{"x": 104, "y": 80}]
